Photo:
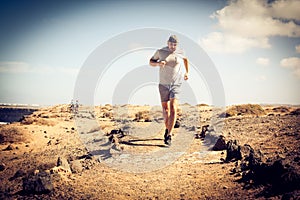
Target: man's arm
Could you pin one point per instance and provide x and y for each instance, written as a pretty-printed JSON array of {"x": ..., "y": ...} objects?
[
  {"x": 153, "y": 62},
  {"x": 186, "y": 65}
]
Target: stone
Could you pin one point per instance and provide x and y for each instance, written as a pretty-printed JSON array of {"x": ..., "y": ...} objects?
[
  {"x": 291, "y": 195},
  {"x": 220, "y": 144},
  {"x": 288, "y": 181},
  {"x": 63, "y": 162},
  {"x": 193, "y": 128},
  {"x": 116, "y": 131},
  {"x": 9, "y": 147},
  {"x": 18, "y": 174},
  {"x": 2, "y": 167},
  {"x": 233, "y": 151},
  {"x": 177, "y": 124},
  {"x": 203, "y": 131},
  {"x": 40, "y": 183},
  {"x": 76, "y": 166}
]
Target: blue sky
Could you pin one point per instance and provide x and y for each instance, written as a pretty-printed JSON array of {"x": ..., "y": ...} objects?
[{"x": 254, "y": 45}]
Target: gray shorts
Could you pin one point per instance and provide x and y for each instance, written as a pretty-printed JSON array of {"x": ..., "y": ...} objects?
[{"x": 168, "y": 92}]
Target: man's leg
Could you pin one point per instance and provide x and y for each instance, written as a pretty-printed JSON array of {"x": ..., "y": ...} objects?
[
  {"x": 166, "y": 112},
  {"x": 173, "y": 115}
]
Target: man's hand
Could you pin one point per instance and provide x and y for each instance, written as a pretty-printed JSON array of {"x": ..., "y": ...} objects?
[
  {"x": 162, "y": 63},
  {"x": 186, "y": 76}
]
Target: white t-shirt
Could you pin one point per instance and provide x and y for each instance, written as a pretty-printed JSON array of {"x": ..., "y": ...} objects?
[{"x": 171, "y": 73}]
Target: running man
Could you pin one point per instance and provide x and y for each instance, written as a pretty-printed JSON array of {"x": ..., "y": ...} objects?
[{"x": 170, "y": 79}]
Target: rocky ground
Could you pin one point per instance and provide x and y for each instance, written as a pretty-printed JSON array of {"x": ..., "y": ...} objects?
[{"x": 56, "y": 154}]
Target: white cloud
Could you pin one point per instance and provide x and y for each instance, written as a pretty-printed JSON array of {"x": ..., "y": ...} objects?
[
  {"x": 288, "y": 9},
  {"x": 13, "y": 67},
  {"x": 297, "y": 48},
  {"x": 229, "y": 43},
  {"x": 22, "y": 67},
  {"x": 292, "y": 63},
  {"x": 255, "y": 21},
  {"x": 263, "y": 61}
]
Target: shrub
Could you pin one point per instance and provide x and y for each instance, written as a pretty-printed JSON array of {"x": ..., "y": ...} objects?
[
  {"x": 142, "y": 116},
  {"x": 246, "y": 109}
]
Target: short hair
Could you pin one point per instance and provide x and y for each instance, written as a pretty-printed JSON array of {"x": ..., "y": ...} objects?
[{"x": 173, "y": 39}]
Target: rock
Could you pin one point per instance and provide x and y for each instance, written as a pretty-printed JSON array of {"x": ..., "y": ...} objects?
[
  {"x": 220, "y": 144},
  {"x": 76, "y": 166},
  {"x": 115, "y": 135},
  {"x": 297, "y": 159},
  {"x": 116, "y": 131},
  {"x": 203, "y": 131},
  {"x": 19, "y": 173},
  {"x": 291, "y": 195},
  {"x": 233, "y": 151},
  {"x": 2, "y": 166},
  {"x": 288, "y": 181},
  {"x": 177, "y": 124},
  {"x": 257, "y": 170},
  {"x": 115, "y": 139},
  {"x": 255, "y": 159},
  {"x": 295, "y": 112},
  {"x": 85, "y": 156},
  {"x": 193, "y": 128},
  {"x": 39, "y": 183},
  {"x": 9, "y": 147},
  {"x": 63, "y": 162}
]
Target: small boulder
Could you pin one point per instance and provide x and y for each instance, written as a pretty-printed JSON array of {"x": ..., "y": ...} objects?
[
  {"x": 233, "y": 151},
  {"x": 76, "y": 166},
  {"x": 295, "y": 112},
  {"x": 63, "y": 163},
  {"x": 193, "y": 128},
  {"x": 19, "y": 173},
  {"x": 203, "y": 131},
  {"x": 2, "y": 166},
  {"x": 177, "y": 124},
  {"x": 288, "y": 181},
  {"x": 9, "y": 148},
  {"x": 220, "y": 144},
  {"x": 39, "y": 183}
]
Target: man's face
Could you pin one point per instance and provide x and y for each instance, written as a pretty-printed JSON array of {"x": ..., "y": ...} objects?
[{"x": 172, "y": 46}]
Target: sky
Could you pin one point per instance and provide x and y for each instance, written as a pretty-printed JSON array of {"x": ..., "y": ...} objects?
[{"x": 254, "y": 47}]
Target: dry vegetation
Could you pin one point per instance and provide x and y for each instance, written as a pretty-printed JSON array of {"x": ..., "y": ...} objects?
[
  {"x": 142, "y": 116},
  {"x": 13, "y": 134},
  {"x": 247, "y": 109}
]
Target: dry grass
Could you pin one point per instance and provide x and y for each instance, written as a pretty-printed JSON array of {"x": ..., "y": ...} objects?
[
  {"x": 202, "y": 104},
  {"x": 38, "y": 121},
  {"x": 246, "y": 109},
  {"x": 281, "y": 109},
  {"x": 11, "y": 134},
  {"x": 142, "y": 116}
]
